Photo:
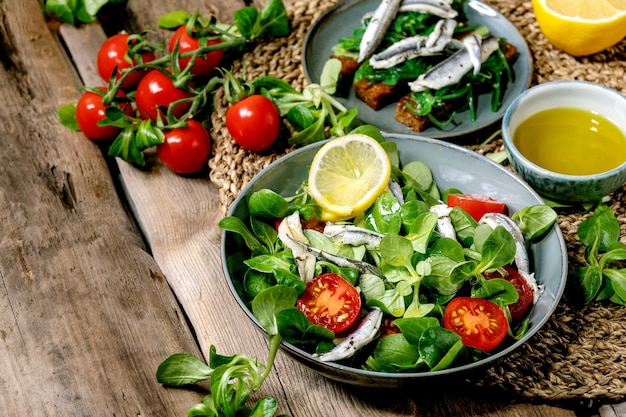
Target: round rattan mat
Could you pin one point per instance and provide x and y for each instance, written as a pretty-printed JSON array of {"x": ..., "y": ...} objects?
[{"x": 579, "y": 353}]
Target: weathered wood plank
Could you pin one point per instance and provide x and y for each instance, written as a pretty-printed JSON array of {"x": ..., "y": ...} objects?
[
  {"x": 85, "y": 313},
  {"x": 179, "y": 219}
]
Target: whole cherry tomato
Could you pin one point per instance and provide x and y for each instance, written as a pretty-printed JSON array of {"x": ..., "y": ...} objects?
[
  {"x": 476, "y": 205},
  {"x": 185, "y": 149},
  {"x": 114, "y": 53},
  {"x": 90, "y": 110},
  {"x": 480, "y": 323},
  {"x": 253, "y": 122},
  {"x": 330, "y": 301},
  {"x": 203, "y": 65},
  {"x": 154, "y": 94}
]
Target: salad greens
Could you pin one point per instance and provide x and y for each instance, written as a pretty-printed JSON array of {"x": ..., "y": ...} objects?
[
  {"x": 420, "y": 270},
  {"x": 233, "y": 378},
  {"x": 602, "y": 277}
]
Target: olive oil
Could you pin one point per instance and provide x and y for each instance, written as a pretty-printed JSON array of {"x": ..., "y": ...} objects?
[{"x": 571, "y": 141}]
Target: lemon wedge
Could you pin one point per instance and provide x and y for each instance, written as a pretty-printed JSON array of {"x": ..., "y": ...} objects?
[
  {"x": 581, "y": 27},
  {"x": 347, "y": 175}
]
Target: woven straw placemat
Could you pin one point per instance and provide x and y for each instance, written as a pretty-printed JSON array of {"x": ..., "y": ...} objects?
[{"x": 579, "y": 353}]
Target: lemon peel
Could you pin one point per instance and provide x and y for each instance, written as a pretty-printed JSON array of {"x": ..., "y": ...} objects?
[
  {"x": 581, "y": 27},
  {"x": 347, "y": 175}
]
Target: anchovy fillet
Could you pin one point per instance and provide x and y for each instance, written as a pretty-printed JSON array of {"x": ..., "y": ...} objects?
[
  {"x": 473, "y": 45},
  {"x": 522, "y": 260},
  {"x": 444, "y": 224},
  {"x": 452, "y": 69},
  {"x": 290, "y": 231},
  {"x": 361, "y": 266},
  {"x": 439, "y": 8},
  {"x": 375, "y": 31},
  {"x": 349, "y": 234},
  {"x": 521, "y": 253},
  {"x": 415, "y": 46},
  {"x": 364, "y": 334}
]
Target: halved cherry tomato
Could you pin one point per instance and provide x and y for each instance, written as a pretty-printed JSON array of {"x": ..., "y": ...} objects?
[
  {"x": 156, "y": 92},
  {"x": 113, "y": 53},
  {"x": 90, "y": 110},
  {"x": 330, "y": 301},
  {"x": 185, "y": 149},
  {"x": 480, "y": 323},
  {"x": 520, "y": 307},
  {"x": 476, "y": 205},
  {"x": 203, "y": 65}
]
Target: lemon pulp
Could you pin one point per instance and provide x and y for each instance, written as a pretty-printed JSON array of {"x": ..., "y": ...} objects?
[{"x": 347, "y": 175}]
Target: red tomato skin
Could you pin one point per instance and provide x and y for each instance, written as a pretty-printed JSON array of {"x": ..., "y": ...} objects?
[
  {"x": 526, "y": 296},
  {"x": 185, "y": 149},
  {"x": 325, "y": 294},
  {"x": 476, "y": 205},
  {"x": 254, "y": 122},
  {"x": 154, "y": 94},
  {"x": 477, "y": 313},
  {"x": 90, "y": 110},
  {"x": 112, "y": 54},
  {"x": 203, "y": 66}
]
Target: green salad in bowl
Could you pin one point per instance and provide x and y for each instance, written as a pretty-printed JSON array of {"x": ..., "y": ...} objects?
[{"x": 456, "y": 263}]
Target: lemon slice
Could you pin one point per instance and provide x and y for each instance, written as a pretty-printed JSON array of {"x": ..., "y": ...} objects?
[
  {"x": 581, "y": 27},
  {"x": 347, "y": 175}
]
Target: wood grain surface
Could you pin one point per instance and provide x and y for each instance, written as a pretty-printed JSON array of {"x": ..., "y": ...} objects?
[{"x": 107, "y": 269}]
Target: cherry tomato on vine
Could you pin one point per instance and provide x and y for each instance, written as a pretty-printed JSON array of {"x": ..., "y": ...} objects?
[
  {"x": 154, "y": 94},
  {"x": 253, "y": 122},
  {"x": 476, "y": 205},
  {"x": 113, "y": 53},
  {"x": 203, "y": 65},
  {"x": 480, "y": 323},
  {"x": 526, "y": 295},
  {"x": 330, "y": 301},
  {"x": 185, "y": 149},
  {"x": 90, "y": 110}
]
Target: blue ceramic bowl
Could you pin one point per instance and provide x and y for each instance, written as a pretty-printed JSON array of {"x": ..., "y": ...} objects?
[
  {"x": 452, "y": 166},
  {"x": 573, "y": 94}
]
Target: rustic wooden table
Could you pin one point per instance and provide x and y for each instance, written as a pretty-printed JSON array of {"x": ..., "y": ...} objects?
[{"x": 107, "y": 269}]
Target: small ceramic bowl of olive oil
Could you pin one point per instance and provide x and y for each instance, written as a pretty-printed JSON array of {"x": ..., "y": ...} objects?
[{"x": 567, "y": 139}]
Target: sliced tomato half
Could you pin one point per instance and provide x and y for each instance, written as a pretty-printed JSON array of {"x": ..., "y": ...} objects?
[
  {"x": 480, "y": 323},
  {"x": 526, "y": 296},
  {"x": 476, "y": 205},
  {"x": 330, "y": 301}
]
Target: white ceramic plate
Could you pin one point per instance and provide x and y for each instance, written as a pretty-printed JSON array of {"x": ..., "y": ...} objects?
[{"x": 342, "y": 19}]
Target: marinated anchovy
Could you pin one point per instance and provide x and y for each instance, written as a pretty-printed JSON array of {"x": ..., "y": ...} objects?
[
  {"x": 375, "y": 31},
  {"x": 361, "y": 266},
  {"x": 349, "y": 234},
  {"x": 521, "y": 254},
  {"x": 290, "y": 231},
  {"x": 452, "y": 69},
  {"x": 444, "y": 224},
  {"x": 399, "y": 52},
  {"x": 472, "y": 43},
  {"x": 522, "y": 260},
  {"x": 415, "y": 46},
  {"x": 439, "y": 8},
  {"x": 396, "y": 191},
  {"x": 363, "y": 335}
]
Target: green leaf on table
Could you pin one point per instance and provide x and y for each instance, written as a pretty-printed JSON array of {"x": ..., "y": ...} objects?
[
  {"x": 67, "y": 116},
  {"x": 602, "y": 225},
  {"x": 182, "y": 369},
  {"x": 173, "y": 20}
]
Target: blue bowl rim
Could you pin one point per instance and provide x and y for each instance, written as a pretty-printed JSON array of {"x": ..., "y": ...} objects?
[{"x": 413, "y": 376}]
